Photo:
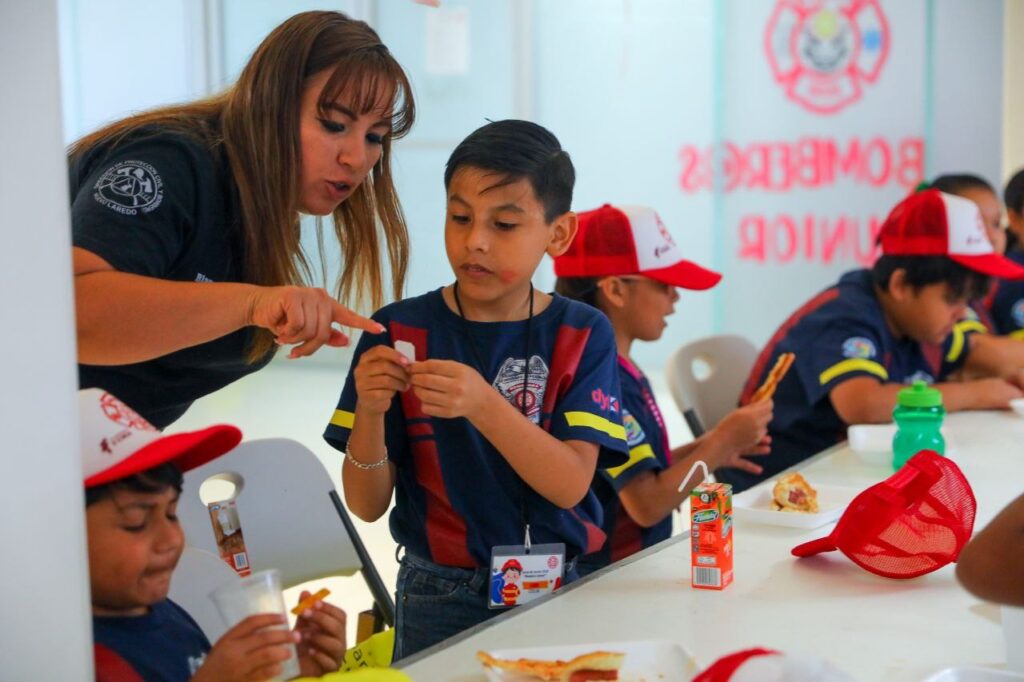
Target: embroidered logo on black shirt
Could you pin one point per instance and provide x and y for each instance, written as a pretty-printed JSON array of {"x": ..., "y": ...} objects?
[{"x": 129, "y": 187}]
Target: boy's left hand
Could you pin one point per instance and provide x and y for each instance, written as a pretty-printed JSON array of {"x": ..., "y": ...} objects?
[
  {"x": 322, "y": 647},
  {"x": 449, "y": 389}
]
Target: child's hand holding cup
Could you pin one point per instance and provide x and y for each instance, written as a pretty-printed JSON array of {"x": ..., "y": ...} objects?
[{"x": 257, "y": 594}]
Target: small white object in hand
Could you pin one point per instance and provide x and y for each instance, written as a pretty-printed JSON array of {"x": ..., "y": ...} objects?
[
  {"x": 1017, "y": 405},
  {"x": 406, "y": 349}
]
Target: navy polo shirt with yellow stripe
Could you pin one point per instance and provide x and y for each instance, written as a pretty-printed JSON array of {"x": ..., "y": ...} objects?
[
  {"x": 649, "y": 450},
  {"x": 838, "y": 335},
  {"x": 456, "y": 496}
]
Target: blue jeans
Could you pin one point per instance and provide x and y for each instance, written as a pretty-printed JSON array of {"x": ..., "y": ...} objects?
[
  {"x": 585, "y": 568},
  {"x": 434, "y": 602}
]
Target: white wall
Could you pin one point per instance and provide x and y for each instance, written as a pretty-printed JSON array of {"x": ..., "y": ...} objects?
[
  {"x": 122, "y": 57},
  {"x": 1013, "y": 93},
  {"x": 969, "y": 85},
  {"x": 44, "y": 606}
]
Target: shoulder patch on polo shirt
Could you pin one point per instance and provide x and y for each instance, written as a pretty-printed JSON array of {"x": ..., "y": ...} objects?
[
  {"x": 859, "y": 347},
  {"x": 1017, "y": 312},
  {"x": 634, "y": 432}
]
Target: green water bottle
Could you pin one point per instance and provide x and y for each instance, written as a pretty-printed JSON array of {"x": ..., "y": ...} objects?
[{"x": 918, "y": 416}]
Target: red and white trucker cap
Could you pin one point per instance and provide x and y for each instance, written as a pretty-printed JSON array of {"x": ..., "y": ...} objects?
[
  {"x": 630, "y": 240},
  {"x": 932, "y": 223},
  {"x": 117, "y": 442},
  {"x": 912, "y": 523}
]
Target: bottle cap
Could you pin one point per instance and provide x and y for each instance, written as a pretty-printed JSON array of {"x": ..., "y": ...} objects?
[{"x": 919, "y": 394}]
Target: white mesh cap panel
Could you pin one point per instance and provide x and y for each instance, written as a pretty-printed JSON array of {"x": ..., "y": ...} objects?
[{"x": 655, "y": 247}]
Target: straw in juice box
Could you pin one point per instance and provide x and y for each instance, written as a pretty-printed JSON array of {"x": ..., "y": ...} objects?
[{"x": 308, "y": 602}]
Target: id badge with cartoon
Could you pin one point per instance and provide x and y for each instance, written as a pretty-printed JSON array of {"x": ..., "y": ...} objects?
[{"x": 521, "y": 573}]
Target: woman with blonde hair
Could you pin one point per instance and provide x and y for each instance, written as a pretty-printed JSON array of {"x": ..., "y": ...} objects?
[{"x": 188, "y": 265}]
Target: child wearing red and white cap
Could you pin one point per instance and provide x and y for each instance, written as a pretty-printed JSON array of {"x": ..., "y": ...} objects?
[
  {"x": 133, "y": 478},
  {"x": 858, "y": 342},
  {"x": 624, "y": 262},
  {"x": 990, "y": 325}
]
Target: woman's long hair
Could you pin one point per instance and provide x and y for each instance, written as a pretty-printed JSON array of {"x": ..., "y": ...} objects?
[{"x": 256, "y": 121}]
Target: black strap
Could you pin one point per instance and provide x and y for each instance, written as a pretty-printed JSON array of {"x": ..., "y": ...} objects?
[{"x": 523, "y": 512}]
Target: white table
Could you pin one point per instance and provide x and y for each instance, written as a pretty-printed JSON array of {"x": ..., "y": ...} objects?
[{"x": 872, "y": 628}]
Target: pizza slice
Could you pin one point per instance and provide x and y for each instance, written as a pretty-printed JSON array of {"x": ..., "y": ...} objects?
[
  {"x": 595, "y": 665},
  {"x": 793, "y": 493},
  {"x": 771, "y": 382}
]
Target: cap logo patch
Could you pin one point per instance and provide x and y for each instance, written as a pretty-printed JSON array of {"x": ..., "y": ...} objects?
[
  {"x": 128, "y": 187},
  {"x": 858, "y": 347},
  {"x": 119, "y": 413}
]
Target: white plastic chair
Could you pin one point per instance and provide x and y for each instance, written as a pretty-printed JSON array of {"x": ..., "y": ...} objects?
[
  {"x": 197, "y": 575},
  {"x": 704, "y": 400},
  {"x": 291, "y": 517}
]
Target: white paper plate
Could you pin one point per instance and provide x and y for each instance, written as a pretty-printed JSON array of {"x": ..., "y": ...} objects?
[
  {"x": 873, "y": 442},
  {"x": 647, "y": 660},
  {"x": 755, "y": 506},
  {"x": 962, "y": 674}
]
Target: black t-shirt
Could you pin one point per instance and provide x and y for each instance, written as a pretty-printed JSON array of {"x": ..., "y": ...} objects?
[{"x": 161, "y": 204}]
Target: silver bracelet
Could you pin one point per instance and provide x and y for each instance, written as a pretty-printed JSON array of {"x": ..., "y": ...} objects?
[{"x": 363, "y": 466}]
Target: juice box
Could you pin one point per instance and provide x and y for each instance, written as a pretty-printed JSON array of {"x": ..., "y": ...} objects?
[
  {"x": 227, "y": 531},
  {"x": 711, "y": 536}
]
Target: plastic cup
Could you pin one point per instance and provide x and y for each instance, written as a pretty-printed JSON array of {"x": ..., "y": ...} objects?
[
  {"x": 1013, "y": 632},
  {"x": 253, "y": 595}
]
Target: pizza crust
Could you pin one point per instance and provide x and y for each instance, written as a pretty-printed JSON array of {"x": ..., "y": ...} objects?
[{"x": 557, "y": 671}]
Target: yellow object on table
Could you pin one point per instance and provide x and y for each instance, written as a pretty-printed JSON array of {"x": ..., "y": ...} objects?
[
  {"x": 368, "y": 660},
  {"x": 361, "y": 675}
]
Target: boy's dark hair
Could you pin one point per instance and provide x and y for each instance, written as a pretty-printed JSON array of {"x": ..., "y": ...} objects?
[
  {"x": 955, "y": 183},
  {"x": 1013, "y": 195},
  {"x": 925, "y": 270},
  {"x": 155, "y": 480},
  {"x": 583, "y": 289},
  {"x": 519, "y": 150}
]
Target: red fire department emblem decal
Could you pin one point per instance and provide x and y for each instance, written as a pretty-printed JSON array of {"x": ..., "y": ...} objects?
[
  {"x": 118, "y": 412},
  {"x": 822, "y": 52}
]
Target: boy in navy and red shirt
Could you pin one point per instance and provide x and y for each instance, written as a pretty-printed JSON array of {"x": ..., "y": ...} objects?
[
  {"x": 497, "y": 421},
  {"x": 625, "y": 263},
  {"x": 133, "y": 478},
  {"x": 860, "y": 341}
]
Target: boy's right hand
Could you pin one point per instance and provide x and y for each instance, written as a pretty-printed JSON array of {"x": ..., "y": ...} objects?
[
  {"x": 382, "y": 371},
  {"x": 743, "y": 431},
  {"x": 248, "y": 652}
]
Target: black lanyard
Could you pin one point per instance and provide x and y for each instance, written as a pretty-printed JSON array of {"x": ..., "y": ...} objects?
[{"x": 483, "y": 373}]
